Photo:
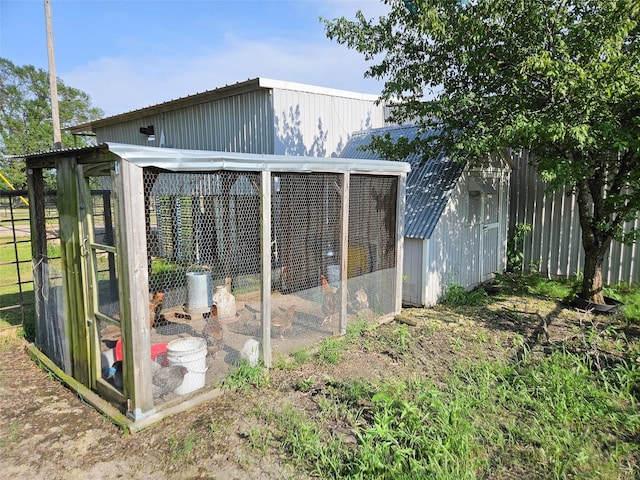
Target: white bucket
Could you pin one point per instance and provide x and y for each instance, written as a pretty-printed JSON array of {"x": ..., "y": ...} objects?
[
  {"x": 190, "y": 352},
  {"x": 333, "y": 275},
  {"x": 199, "y": 299}
]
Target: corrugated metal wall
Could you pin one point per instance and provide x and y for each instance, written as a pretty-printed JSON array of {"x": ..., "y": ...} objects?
[
  {"x": 319, "y": 125},
  {"x": 554, "y": 245},
  {"x": 239, "y": 123},
  {"x": 265, "y": 121}
]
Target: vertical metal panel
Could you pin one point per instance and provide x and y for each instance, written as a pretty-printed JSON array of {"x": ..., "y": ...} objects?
[
  {"x": 319, "y": 124},
  {"x": 412, "y": 284},
  {"x": 239, "y": 123},
  {"x": 555, "y": 243},
  {"x": 281, "y": 121}
]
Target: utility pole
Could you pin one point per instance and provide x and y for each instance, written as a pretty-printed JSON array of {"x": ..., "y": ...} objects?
[{"x": 53, "y": 81}]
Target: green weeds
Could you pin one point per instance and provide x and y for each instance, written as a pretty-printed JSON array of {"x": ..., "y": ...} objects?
[
  {"x": 457, "y": 296},
  {"x": 244, "y": 376},
  {"x": 181, "y": 450},
  {"x": 549, "y": 418}
]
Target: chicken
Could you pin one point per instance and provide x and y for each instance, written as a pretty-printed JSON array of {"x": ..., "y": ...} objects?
[
  {"x": 155, "y": 307},
  {"x": 284, "y": 321},
  {"x": 165, "y": 380},
  {"x": 213, "y": 333},
  {"x": 361, "y": 299},
  {"x": 329, "y": 300}
]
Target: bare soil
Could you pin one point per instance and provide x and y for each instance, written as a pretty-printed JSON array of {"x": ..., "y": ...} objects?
[{"x": 47, "y": 432}]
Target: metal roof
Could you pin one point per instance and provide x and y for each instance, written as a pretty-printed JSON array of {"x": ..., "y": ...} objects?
[
  {"x": 180, "y": 160},
  {"x": 429, "y": 184},
  {"x": 215, "y": 94}
]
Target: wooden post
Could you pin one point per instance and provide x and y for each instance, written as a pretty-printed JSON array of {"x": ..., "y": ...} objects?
[
  {"x": 134, "y": 288},
  {"x": 53, "y": 81},
  {"x": 344, "y": 250},
  {"x": 400, "y": 205},
  {"x": 71, "y": 253},
  {"x": 265, "y": 237}
]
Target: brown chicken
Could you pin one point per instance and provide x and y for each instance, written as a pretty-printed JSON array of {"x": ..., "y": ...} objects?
[
  {"x": 284, "y": 321},
  {"x": 213, "y": 333},
  {"x": 329, "y": 300},
  {"x": 155, "y": 307},
  {"x": 361, "y": 299}
]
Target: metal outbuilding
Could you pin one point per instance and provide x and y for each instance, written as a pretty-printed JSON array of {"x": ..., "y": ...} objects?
[
  {"x": 456, "y": 219},
  {"x": 255, "y": 116}
]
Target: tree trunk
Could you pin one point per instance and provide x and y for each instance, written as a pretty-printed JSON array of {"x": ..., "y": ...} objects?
[
  {"x": 595, "y": 242},
  {"x": 592, "y": 275}
]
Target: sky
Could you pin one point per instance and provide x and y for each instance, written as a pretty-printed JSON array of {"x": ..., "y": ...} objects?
[{"x": 132, "y": 54}]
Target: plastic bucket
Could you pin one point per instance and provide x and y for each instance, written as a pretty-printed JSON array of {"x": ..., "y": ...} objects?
[
  {"x": 333, "y": 275},
  {"x": 199, "y": 296},
  {"x": 190, "y": 352}
]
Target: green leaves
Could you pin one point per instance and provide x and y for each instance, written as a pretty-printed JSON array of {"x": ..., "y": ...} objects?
[
  {"x": 560, "y": 78},
  {"x": 25, "y": 115}
]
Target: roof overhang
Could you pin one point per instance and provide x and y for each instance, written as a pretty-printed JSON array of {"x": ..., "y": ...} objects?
[{"x": 180, "y": 160}]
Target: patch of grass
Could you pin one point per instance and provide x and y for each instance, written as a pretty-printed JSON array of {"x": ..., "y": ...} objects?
[
  {"x": 554, "y": 417},
  {"x": 330, "y": 351},
  {"x": 301, "y": 356},
  {"x": 457, "y": 296},
  {"x": 564, "y": 289},
  {"x": 304, "y": 384},
  {"x": 9, "y": 340},
  {"x": 11, "y": 436},
  {"x": 181, "y": 449},
  {"x": 9, "y": 287},
  {"x": 260, "y": 440},
  {"x": 630, "y": 296},
  {"x": 556, "y": 289},
  {"x": 244, "y": 376}
]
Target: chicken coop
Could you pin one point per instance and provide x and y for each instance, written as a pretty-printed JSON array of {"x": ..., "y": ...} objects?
[{"x": 174, "y": 265}]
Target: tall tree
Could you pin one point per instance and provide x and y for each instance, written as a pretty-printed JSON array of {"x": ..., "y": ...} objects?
[
  {"x": 558, "y": 77},
  {"x": 25, "y": 116}
]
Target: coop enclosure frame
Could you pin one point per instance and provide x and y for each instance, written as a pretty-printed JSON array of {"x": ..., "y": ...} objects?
[{"x": 127, "y": 249}]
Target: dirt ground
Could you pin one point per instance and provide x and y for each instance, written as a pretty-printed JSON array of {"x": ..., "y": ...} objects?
[{"x": 47, "y": 432}]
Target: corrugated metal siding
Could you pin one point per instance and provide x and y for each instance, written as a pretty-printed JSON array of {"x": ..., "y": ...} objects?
[
  {"x": 240, "y": 123},
  {"x": 319, "y": 125},
  {"x": 555, "y": 243},
  {"x": 428, "y": 186}
]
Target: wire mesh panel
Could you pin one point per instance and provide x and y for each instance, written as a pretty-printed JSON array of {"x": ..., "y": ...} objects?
[
  {"x": 203, "y": 244},
  {"x": 372, "y": 254},
  {"x": 305, "y": 253},
  {"x": 51, "y": 326}
]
